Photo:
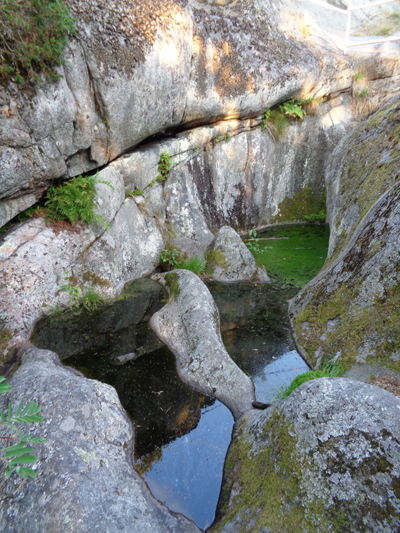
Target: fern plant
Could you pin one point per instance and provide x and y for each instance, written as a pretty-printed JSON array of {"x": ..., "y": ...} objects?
[
  {"x": 74, "y": 200},
  {"x": 17, "y": 456}
]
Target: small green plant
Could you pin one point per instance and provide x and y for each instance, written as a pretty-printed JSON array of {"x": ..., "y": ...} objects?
[
  {"x": 330, "y": 370},
  {"x": 358, "y": 76},
  {"x": 227, "y": 137},
  {"x": 73, "y": 200},
  {"x": 275, "y": 122},
  {"x": 194, "y": 148},
  {"x": 164, "y": 166},
  {"x": 15, "y": 457},
  {"x": 136, "y": 192},
  {"x": 253, "y": 244},
  {"x": 92, "y": 299},
  {"x": 395, "y": 17},
  {"x": 33, "y": 34},
  {"x": 292, "y": 109},
  {"x": 364, "y": 93},
  {"x": 169, "y": 257},
  {"x": 31, "y": 213},
  {"x": 194, "y": 264},
  {"x": 73, "y": 292}
]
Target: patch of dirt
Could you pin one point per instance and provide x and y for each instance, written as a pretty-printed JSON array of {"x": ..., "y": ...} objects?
[{"x": 388, "y": 383}]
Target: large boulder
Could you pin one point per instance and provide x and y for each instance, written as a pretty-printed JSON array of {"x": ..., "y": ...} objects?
[
  {"x": 325, "y": 459},
  {"x": 37, "y": 259},
  {"x": 189, "y": 325},
  {"x": 85, "y": 477},
  {"x": 350, "y": 311},
  {"x": 231, "y": 260}
]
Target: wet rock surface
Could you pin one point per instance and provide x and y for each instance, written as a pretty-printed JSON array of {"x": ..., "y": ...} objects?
[
  {"x": 118, "y": 326},
  {"x": 324, "y": 459},
  {"x": 85, "y": 480},
  {"x": 232, "y": 260},
  {"x": 189, "y": 325},
  {"x": 350, "y": 311}
]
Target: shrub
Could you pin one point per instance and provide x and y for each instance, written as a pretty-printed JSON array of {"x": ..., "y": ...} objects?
[
  {"x": 169, "y": 257},
  {"x": 73, "y": 200},
  {"x": 253, "y": 244},
  {"x": 330, "y": 370},
  {"x": 16, "y": 456},
  {"x": 33, "y": 35}
]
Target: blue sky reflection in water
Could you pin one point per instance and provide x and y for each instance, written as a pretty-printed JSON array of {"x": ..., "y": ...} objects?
[{"x": 188, "y": 476}]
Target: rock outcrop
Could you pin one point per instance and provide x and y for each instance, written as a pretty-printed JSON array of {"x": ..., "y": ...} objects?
[
  {"x": 85, "y": 478},
  {"x": 189, "y": 325},
  {"x": 232, "y": 261},
  {"x": 325, "y": 459},
  {"x": 37, "y": 260},
  {"x": 350, "y": 311}
]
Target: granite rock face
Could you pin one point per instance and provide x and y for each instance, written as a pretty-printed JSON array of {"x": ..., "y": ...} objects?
[
  {"x": 233, "y": 260},
  {"x": 350, "y": 311},
  {"x": 85, "y": 477},
  {"x": 36, "y": 259},
  {"x": 189, "y": 325},
  {"x": 325, "y": 459},
  {"x": 134, "y": 70},
  {"x": 232, "y": 173}
]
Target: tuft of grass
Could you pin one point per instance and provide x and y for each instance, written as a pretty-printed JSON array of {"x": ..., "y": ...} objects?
[
  {"x": 330, "y": 370},
  {"x": 92, "y": 298},
  {"x": 194, "y": 264}
]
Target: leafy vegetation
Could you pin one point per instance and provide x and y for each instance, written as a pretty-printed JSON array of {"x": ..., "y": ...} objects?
[
  {"x": 18, "y": 455},
  {"x": 164, "y": 166},
  {"x": 33, "y": 34},
  {"x": 253, "y": 243},
  {"x": 73, "y": 200},
  {"x": 169, "y": 257},
  {"x": 330, "y": 370},
  {"x": 90, "y": 298}
]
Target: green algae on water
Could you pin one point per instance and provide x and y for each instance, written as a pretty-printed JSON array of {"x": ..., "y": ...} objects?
[{"x": 294, "y": 253}]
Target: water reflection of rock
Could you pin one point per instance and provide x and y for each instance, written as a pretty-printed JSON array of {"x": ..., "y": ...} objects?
[
  {"x": 254, "y": 322},
  {"x": 117, "y": 328}
]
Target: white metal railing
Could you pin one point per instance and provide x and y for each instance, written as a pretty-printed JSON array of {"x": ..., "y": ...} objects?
[{"x": 348, "y": 12}]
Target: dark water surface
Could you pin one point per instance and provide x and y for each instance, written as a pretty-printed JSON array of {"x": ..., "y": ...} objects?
[{"x": 181, "y": 435}]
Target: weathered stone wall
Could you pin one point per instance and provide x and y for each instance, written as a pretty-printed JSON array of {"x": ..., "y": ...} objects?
[{"x": 350, "y": 311}]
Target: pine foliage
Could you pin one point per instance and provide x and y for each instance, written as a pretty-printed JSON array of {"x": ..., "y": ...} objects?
[{"x": 33, "y": 34}]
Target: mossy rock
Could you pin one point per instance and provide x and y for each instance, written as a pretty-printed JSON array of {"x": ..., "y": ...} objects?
[
  {"x": 323, "y": 460},
  {"x": 350, "y": 311}
]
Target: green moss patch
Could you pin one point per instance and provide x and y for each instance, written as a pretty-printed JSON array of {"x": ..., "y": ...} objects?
[
  {"x": 172, "y": 281},
  {"x": 304, "y": 206},
  {"x": 272, "y": 481},
  {"x": 356, "y": 326}
]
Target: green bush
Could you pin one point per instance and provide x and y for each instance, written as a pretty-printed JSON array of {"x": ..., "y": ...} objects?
[
  {"x": 16, "y": 456},
  {"x": 33, "y": 35},
  {"x": 73, "y": 200}
]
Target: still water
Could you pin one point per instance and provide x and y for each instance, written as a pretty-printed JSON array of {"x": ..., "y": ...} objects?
[{"x": 181, "y": 435}]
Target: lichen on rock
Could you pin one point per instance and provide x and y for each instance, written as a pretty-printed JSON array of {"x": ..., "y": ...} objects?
[{"x": 324, "y": 459}]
